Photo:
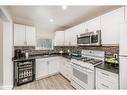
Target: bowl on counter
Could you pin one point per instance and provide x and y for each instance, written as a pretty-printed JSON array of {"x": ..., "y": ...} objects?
[{"x": 112, "y": 61}]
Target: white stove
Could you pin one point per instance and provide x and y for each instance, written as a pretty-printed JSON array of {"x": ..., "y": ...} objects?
[{"x": 83, "y": 68}]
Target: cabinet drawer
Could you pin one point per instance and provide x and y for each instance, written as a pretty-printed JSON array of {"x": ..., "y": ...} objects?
[
  {"x": 105, "y": 75},
  {"x": 106, "y": 85},
  {"x": 102, "y": 80},
  {"x": 106, "y": 80},
  {"x": 101, "y": 77}
]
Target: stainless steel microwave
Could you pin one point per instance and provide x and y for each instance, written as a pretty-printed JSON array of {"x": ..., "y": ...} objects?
[{"x": 90, "y": 38}]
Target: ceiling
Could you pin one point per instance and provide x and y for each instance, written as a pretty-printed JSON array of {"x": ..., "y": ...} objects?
[{"x": 39, "y": 15}]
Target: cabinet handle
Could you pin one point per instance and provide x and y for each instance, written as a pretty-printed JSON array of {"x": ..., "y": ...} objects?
[
  {"x": 68, "y": 61},
  {"x": 104, "y": 85},
  {"x": 25, "y": 43},
  {"x": 69, "y": 43},
  {"x": 105, "y": 74},
  {"x": 63, "y": 63},
  {"x": 47, "y": 62}
]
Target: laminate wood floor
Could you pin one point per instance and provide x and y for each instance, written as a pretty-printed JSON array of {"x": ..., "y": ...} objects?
[{"x": 53, "y": 82}]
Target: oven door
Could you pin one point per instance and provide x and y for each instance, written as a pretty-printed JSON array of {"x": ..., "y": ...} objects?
[{"x": 83, "y": 77}]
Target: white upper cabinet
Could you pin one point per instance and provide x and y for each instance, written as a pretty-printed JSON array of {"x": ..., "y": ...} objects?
[
  {"x": 73, "y": 36},
  {"x": 30, "y": 36},
  {"x": 19, "y": 35},
  {"x": 93, "y": 25},
  {"x": 81, "y": 28},
  {"x": 59, "y": 38},
  {"x": 67, "y": 41},
  {"x": 110, "y": 26},
  {"x": 126, "y": 13},
  {"x": 24, "y": 35}
]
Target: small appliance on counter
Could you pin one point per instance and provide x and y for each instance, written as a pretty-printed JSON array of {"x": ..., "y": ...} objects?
[
  {"x": 18, "y": 54},
  {"x": 112, "y": 60},
  {"x": 75, "y": 54}
]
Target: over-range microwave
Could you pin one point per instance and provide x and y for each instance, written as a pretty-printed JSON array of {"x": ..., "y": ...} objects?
[{"x": 90, "y": 38}]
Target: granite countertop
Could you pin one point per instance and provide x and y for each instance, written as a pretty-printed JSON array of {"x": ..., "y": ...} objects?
[
  {"x": 103, "y": 66},
  {"x": 108, "y": 67},
  {"x": 41, "y": 56}
]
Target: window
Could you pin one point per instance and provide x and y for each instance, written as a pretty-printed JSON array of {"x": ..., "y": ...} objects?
[{"x": 44, "y": 44}]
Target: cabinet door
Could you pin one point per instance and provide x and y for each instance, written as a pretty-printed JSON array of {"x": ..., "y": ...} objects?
[
  {"x": 59, "y": 38},
  {"x": 30, "y": 36},
  {"x": 41, "y": 68},
  {"x": 81, "y": 28},
  {"x": 67, "y": 41},
  {"x": 110, "y": 26},
  {"x": 53, "y": 66},
  {"x": 73, "y": 36},
  {"x": 125, "y": 13},
  {"x": 93, "y": 24},
  {"x": 68, "y": 70},
  {"x": 19, "y": 35},
  {"x": 65, "y": 68},
  {"x": 62, "y": 67}
]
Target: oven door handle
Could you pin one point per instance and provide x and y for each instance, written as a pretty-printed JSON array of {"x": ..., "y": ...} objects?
[{"x": 89, "y": 71}]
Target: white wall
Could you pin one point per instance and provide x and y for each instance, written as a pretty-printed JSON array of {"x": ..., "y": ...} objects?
[
  {"x": 43, "y": 34},
  {"x": 1, "y": 53},
  {"x": 7, "y": 50}
]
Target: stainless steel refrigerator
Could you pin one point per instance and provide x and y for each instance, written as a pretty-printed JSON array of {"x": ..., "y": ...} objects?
[{"x": 123, "y": 56}]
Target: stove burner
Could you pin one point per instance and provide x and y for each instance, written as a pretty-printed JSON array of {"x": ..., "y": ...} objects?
[
  {"x": 94, "y": 62},
  {"x": 90, "y": 60}
]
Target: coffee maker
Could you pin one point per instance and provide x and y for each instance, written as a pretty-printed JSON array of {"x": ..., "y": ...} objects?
[{"x": 18, "y": 53}]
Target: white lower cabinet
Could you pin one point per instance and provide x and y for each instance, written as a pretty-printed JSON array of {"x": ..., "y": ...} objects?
[
  {"x": 106, "y": 80},
  {"x": 65, "y": 68},
  {"x": 46, "y": 67},
  {"x": 52, "y": 65},
  {"x": 41, "y": 68}
]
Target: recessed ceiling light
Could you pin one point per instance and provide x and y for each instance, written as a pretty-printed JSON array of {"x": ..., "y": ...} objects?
[
  {"x": 51, "y": 20},
  {"x": 64, "y": 7}
]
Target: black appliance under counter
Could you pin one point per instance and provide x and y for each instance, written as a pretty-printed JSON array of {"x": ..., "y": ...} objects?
[
  {"x": 24, "y": 71},
  {"x": 23, "y": 58},
  {"x": 108, "y": 67}
]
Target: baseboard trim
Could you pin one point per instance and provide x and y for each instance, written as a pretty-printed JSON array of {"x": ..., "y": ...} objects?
[
  {"x": 46, "y": 76},
  {"x": 1, "y": 87},
  {"x": 8, "y": 87}
]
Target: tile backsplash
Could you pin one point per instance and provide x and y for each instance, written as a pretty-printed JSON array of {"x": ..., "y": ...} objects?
[{"x": 109, "y": 50}]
